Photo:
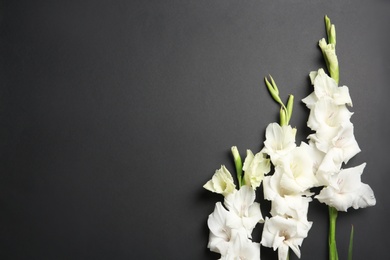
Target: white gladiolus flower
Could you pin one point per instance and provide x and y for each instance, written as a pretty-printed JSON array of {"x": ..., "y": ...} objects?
[
  {"x": 255, "y": 166},
  {"x": 291, "y": 206},
  {"x": 326, "y": 88},
  {"x": 245, "y": 212},
  {"x": 347, "y": 190},
  {"x": 340, "y": 148},
  {"x": 272, "y": 187},
  {"x": 242, "y": 248},
  {"x": 280, "y": 140},
  {"x": 284, "y": 233},
  {"x": 221, "y": 182},
  {"x": 327, "y": 116},
  {"x": 342, "y": 138},
  {"x": 231, "y": 243},
  {"x": 297, "y": 168},
  {"x": 285, "y": 203}
]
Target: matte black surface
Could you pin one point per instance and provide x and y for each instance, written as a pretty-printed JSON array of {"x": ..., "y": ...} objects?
[{"x": 113, "y": 114}]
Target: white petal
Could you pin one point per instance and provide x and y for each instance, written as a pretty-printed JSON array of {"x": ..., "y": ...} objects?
[
  {"x": 345, "y": 140},
  {"x": 310, "y": 100},
  {"x": 283, "y": 252},
  {"x": 220, "y": 233},
  {"x": 342, "y": 96},
  {"x": 217, "y": 221},
  {"x": 272, "y": 187},
  {"x": 248, "y": 160},
  {"x": 350, "y": 179},
  {"x": 313, "y": 75},
  {"x": 244, "y": 248},
  {"x": 365, "y": 197}
]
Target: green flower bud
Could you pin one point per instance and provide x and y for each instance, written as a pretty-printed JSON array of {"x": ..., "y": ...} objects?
[
  {"x": 273, "y": 90},
  {"x": 238, "y": 164},
  {"x": 290, "y": 104},
  {"x": 330, "y": 31}
]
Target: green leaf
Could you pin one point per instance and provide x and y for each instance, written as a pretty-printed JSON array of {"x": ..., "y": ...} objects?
[{"x": 350, "y": 248}]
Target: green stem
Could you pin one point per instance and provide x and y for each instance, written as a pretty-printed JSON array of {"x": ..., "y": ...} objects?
[{"x": 332, "y": 234}]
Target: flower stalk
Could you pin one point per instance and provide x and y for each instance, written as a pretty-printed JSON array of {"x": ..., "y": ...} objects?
[
  {"x": 329, "y": 53},
  {"x": 332, "y": 233}
]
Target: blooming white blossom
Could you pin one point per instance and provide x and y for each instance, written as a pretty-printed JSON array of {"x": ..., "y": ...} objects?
[
  {"x": 280, "y": 140},
  {"x": 285, "y": 203},
  {"x": 222, "y": 182},
  {"x": 326, "y": 88},
  {"x": 242, "y": 248},
  {"x": 347, "y": 190},
  {"x": 255, "y": 166},
  {"x": 291, "y": 206},
  {"x": 245, "y": 212},
  {"x": 282, "y": 233},
  {"x": 327, "y": 116},
  {"x": 297, "y": 167},
  {"x": 341, "y": 138},
  {"x": 228, "y": 235}
]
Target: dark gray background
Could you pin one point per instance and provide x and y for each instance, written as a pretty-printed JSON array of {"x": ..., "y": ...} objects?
[{"x": 113, "y": 114}]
